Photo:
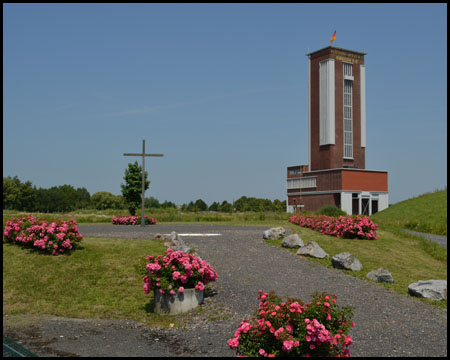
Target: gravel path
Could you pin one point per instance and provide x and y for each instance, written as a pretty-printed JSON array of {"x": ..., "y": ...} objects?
[
  {"x": 439, "y": 239},
  {"x": 387, "y": 324}
]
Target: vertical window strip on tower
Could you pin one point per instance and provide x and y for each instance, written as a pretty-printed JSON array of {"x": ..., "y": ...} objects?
[
  {"x": 323, "y": 121},
  {"x": 348, "y": 126},
  {"x": 326, "y": 102}
]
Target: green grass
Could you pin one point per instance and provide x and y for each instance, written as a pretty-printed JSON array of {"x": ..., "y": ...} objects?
[
  {"x": 403, "y": 255},
  {"x": 99, "y": 280},
  {"x": 425, "y": 213},
  {"x": 162, "y": 216}
]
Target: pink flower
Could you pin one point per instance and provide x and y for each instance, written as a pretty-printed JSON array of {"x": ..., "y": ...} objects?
[
  {"x": 175, "y": 275},
  {"x": 200, "y": 286},
  {"x": 287, "y": 345},
  {"x": 181, "y": 289},
  {"x": 233, "y": 343},
  {"x": 278, "y": 332},
  {"x": 262, "y": 352}
]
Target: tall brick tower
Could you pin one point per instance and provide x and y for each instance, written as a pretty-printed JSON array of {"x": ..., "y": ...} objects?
[{"x": 336, "y": 172}]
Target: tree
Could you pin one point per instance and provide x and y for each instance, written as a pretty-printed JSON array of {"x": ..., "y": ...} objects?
[
  {"x": 132, "y": 189},
  {"x": 11, "y": 193},
  {"x": 168, "y": 205},
  {"x": 67, "y": 198},
  {"x": 152, "y": 202},
  {"x": 200, "y": 205},
  {"x": 104, "y": 200},
  {"x": 83, "y": 198},
  {"x": 241, "y": 204},
  {"x": 226, "y": 207},
  {"x": 214, "y": 206},
  {"x": 191, "y": 207},
  {"x": 278, "y": 206}
]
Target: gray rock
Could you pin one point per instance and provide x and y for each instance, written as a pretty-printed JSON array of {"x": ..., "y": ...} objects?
[
  {"x": 347, "y": 261},
  {"x": 274, "y": 233},
  {"x": 176, "y": 243},
  {"x": 430, "y": 289},
  {"x": 159, "y": 237},
  {"x": 380, "y": 275},
  {"x": 312, "y": 249},
  {"x": 292, "y": 241}
]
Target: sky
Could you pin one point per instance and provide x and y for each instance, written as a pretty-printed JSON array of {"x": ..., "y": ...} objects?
[{"x": 219, "y": 89}]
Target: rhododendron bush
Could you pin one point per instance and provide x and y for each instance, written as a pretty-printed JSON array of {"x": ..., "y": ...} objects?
[
  {"x": 132, "y": 220},
  {"x": 350, "y": 227},
  {"x": 176, "y": 271},
  {"x": 56, "y": 237},
  {"x": 294, "y": 328}
]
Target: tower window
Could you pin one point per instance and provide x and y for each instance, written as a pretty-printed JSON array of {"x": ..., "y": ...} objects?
[
  {"x": 348, "y": 123},
  {"x": 348, "y": 69}
]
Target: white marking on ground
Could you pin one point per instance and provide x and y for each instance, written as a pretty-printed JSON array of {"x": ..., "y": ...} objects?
[{"x": 195, "y": 234}]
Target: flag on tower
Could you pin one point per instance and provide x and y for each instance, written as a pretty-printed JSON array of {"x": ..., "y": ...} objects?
[{"x": 333, "y": 38}]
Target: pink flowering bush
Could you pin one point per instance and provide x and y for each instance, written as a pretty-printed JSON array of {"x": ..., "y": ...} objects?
[
  {"x": 132, "y": 220},
  {"x": 349, "y": 227},
  {"x": 176, "y": 271},
  {"x": 56, "y": 237},
  {"x": 294, "y": 328}
]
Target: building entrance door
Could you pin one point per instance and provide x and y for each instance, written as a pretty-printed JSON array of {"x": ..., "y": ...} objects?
[{"x": 365, "y": 206}]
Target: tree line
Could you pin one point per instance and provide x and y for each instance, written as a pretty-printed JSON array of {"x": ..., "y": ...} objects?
[{"x": 24, "y": 196}]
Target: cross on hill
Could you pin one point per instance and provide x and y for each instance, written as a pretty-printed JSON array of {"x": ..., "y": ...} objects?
[{"x": 143, "y": 176}]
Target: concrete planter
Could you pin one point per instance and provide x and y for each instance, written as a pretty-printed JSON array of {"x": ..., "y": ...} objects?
[{"x": 178, "y": 303}]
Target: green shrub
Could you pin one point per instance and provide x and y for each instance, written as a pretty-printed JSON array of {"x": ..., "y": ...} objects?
[{"x": 331, "y": 210}]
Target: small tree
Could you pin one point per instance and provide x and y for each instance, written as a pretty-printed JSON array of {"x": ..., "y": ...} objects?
[
  {"x": 168, "y": 205},
  {"x": 105, "y": 200},
  {"x": 132, "y": 189},
  {"x": 226, "y": 207},
  {"x": 214, "y": 206},
  {"x": 152, "y": 202},
  {"x": 201, "y": 205},
  {"x": 191, "y": 207}
]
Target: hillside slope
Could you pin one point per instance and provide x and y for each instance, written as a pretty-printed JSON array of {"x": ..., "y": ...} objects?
[{"x": 425, "y": 213}]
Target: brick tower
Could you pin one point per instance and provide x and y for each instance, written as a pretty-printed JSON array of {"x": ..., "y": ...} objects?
[{"x": 336, "y": 172}]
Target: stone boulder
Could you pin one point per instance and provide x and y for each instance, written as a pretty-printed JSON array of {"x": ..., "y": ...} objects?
[
  {"x": 160, "y": 237},
  {"x": 292, "y": 241},
  {"x": 430, "y": 289},
  {"x": 380, "y": 275},
  {"x": 176, "y": 243},
  {"x": 347, "y": 261},
  {"x": 312, "y": 249},
  {"x": 274, "y": 233}
]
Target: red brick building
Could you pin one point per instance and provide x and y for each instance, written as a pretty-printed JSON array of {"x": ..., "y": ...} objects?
[{"x": 336, "y": 173}]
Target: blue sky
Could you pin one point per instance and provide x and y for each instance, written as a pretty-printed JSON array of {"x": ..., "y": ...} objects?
[{"x": 220, "y": 89}]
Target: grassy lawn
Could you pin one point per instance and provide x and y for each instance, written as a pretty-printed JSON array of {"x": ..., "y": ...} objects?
[
  {"x": 162, "y": 216},
  {"x": 408, "y": 258},
  {"x": 101, "y": 279},
  {"x": 98, "y": 280},
  {"x": 425, "y": 213}
]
